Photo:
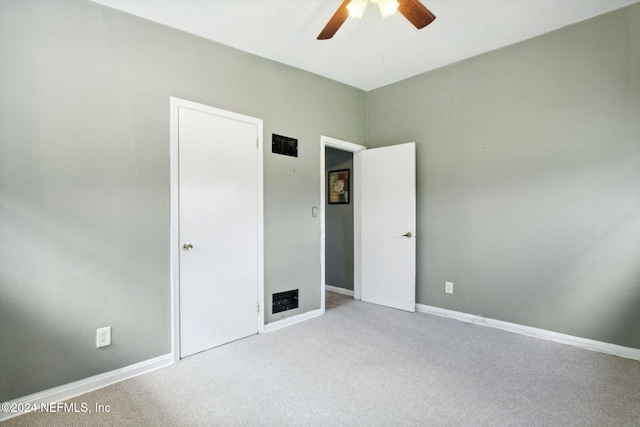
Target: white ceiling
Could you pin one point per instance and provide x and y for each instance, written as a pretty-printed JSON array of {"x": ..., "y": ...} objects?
[{"x": 371, "y": 52}]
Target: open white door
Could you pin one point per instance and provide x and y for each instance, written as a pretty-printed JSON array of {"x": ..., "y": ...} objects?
[{"x": 388, "y": 225}]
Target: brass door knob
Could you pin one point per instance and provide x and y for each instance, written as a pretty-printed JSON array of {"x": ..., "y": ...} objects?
[{"x": 187, "y": 246}]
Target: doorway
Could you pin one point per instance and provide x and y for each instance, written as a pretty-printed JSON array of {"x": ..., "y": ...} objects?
[
  {"x": 338, "y": 217},
  {"x": 344, "y": 149},
  {"x": 384, "y": 223},
  {"x": 216, "y": 226}
]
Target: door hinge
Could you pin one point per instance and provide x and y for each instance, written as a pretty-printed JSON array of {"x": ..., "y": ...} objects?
[
  {"x": 257, "y": 141},
  {"x": 258, "y": 307}
]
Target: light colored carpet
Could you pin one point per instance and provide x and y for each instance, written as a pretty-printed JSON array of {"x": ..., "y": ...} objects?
[{"x": 365, "y": 365}]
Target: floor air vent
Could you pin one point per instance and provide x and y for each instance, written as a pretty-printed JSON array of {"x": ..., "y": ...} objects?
[{"x": 284, "y": 301}]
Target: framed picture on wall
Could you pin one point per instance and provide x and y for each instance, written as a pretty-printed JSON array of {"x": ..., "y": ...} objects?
[{"x": 339, "y": 186}]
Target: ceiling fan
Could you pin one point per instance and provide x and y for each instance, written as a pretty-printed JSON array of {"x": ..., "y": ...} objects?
[{"x": 413, "y": 10}]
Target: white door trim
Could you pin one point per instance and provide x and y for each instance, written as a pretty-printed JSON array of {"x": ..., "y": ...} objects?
[
  {"x": 175, "y": 105},
  {"x": 326, "y": 141}
]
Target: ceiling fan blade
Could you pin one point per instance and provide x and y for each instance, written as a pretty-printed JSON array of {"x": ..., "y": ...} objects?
[
  {"x": 335, "y": 22},
  {"x": 416, "y": 13}
]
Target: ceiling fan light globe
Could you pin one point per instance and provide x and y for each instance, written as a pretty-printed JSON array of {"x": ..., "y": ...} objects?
[
  {"x": 388, "y": 7},
  {"x": 356, "y": 8}
]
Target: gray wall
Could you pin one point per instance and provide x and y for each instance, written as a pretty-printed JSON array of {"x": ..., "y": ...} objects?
[
  {"x": 528, "y": 187},
  {"x": 84, "y": 180},
  {"x": 339, "y": 227},
  {"x": 528, "y": 177}
]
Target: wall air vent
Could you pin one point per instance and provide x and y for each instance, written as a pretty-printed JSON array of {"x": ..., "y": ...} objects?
[
  {"x": 284, "y": 301},
  {"x": 284, "y": 145}
]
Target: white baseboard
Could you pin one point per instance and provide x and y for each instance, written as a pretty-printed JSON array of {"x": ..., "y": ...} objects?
[
  {"x": 338, "y": 290},
  {"x": 603, "y": 347},
  {"x": 76, "y": 388},
  {"x": 269, "y": 327}
]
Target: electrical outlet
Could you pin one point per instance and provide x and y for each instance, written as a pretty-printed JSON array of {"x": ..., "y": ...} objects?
[
  {"x": 103, "y": 337},
  {"x": 448, "y": 287}
]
